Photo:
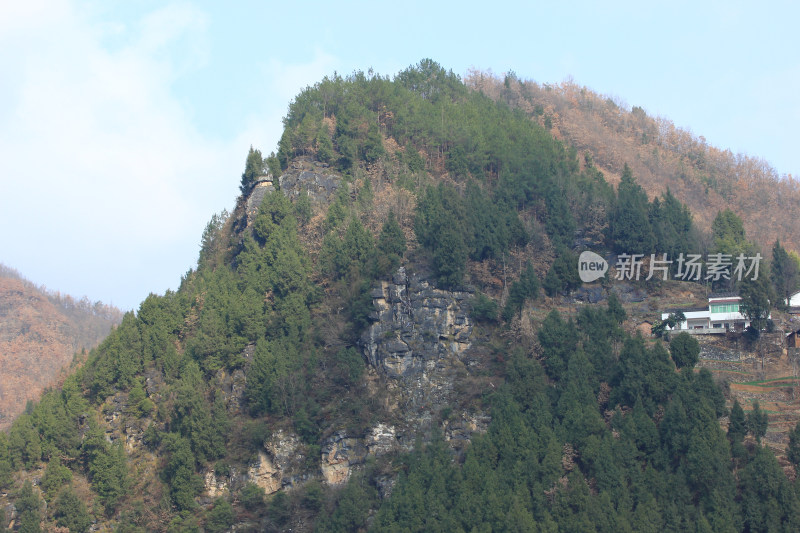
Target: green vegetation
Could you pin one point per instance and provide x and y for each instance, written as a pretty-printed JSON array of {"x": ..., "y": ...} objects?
[
  {"x": 784, "y": 275},
  {"x": 547, "y": 444},
  {"x": 685, "y": 350},
  {"x": 253, "y": 168},
  {"x": 591, "y": 428}
]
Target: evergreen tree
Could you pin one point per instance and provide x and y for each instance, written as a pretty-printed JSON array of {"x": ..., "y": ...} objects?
[
  {"x": 29, "y": 507},
  {"x": 756, "y": 302},
  {"x": 439, "y": 224},
  {"x": 527, "y": 287},
  {"x": 220, "y": 517},
  {"x": 685, "y": 350},
  {"x": 558, "y": 340},
  {"x": 253, "y": 168},
  {"x": 729, "y": 235},
  {"x": 55, "y": 476},
  {"x": 562, "y": 277},
  {"x": 768, "y": 502},
  {"x": 391, "y": 245},
  {"x": 5, "y": 462},
  {"x": 184, "y": 484},
  {"x": 70, "y": 512},
  {"x": 108, "y": 473},
  {"x": 24, "y": 443},
  {"x": 784, "y": 275},
  {"x": 757, "y": 421},
  {"x": 450, "y": 257},
  {"x": 615, "y": 309},
  {"x": 672, "y": 226},
  {"x": 737, "y": 427},
  {"x": 793, "y": 451},
  {"x": 629, "y": 224}
]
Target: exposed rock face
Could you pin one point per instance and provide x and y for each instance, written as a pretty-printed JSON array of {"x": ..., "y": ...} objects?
[
  {"x": 319, "y": 186},
  {"x": 459, "y": 431},
  {"x": 232, "y": 385},
  {"x": 265, "y": 474},
  {"x": 215, "y": 486},
  {"x": 341, "y": 453},
  {"x": 263, "y": 186},
  {"x": 280, "y": 464},
  {"x": 416, "y": 326},
  {"x": 338, "y": 455},
  {"x": 419, "y": 345},
  {"x": 381, "y": 439}
]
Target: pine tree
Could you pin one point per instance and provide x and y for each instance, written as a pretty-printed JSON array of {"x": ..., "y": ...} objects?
[
  {"x": 629, "y": 224},
  {"x": 784, "y": 275},
  {"x": 757, "y": 421},
  {"x": 685, "y": 350},
  {"x": 391, "y": 245},
  {"x": 29, "y": 507},
  {"x": 254, "y": 167},
  {"x": 70, "y": 512},
  {"x": 793, "y": 451}
]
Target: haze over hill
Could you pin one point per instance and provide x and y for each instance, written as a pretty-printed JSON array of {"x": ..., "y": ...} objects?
[{"x": 40, "y": 333}]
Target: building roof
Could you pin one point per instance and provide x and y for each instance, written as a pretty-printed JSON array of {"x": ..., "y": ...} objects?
[
  {"x": 687, "y": 309},
  {"x": 727, "y": 294}
]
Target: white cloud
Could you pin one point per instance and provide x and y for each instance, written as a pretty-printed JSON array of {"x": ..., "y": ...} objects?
[
  {"x": 106, "y": 181},
  {"x": 96, "y": 151}
]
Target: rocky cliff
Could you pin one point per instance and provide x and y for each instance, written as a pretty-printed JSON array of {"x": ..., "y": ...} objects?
[{"x": 416, "y": 327}]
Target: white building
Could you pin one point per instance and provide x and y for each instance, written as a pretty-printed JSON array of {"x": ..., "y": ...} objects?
[
  {"x": 794, "y": 301},
  {"x": 722, "y": 314}
]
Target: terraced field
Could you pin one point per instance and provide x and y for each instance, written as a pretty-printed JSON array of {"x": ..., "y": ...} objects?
[{"x": 775, "y": 386}]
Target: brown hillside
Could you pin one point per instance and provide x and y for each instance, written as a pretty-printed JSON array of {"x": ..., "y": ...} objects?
[
  {"x": 660, "y": 154},
  {"x": 39, "y": 335}
]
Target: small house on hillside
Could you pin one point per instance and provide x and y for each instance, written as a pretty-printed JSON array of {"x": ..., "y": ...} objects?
[
  {"x": 722, "y": 314},
  {"x": 794, "y": 303}
]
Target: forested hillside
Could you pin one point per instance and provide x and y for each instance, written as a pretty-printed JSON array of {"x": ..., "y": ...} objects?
[
  {"x": 662, "y": 155},
  {"x": 40, "y": 332},
  {"x": 382, "y": 336}
]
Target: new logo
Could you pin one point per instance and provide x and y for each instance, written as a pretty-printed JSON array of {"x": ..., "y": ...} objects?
[{"x": 591, "y": 267}]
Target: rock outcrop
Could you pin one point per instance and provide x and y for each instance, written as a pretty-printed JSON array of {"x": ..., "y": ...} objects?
[
  {"x": 416, "y": 326},
  {"x": 280, "y": 464},
  {"x": 310, "y": 179},
  {"x": 263, "y": 185}
]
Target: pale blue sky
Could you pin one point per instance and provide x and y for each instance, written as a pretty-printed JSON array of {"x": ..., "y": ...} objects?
[{"x": 125, "y": 125}]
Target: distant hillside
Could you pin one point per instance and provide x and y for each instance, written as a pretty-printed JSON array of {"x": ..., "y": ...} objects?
[
  {"x": 660, "y": 154},
  {"x": 40, "y": 332}
]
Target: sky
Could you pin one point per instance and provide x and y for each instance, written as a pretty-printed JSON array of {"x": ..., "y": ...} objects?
[{"x": 124, "y": 126}]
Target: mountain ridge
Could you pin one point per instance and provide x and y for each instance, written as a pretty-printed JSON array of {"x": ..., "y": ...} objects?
[
  {"x": 388, "y": 333},
  {"x": 661, "y": 155}
]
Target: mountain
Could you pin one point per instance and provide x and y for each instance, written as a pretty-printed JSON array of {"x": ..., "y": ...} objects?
[
  {"x": 661, "y": 155},
  {"x": 389, "y": 333},
  {"x": 40, "y": 333}
]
